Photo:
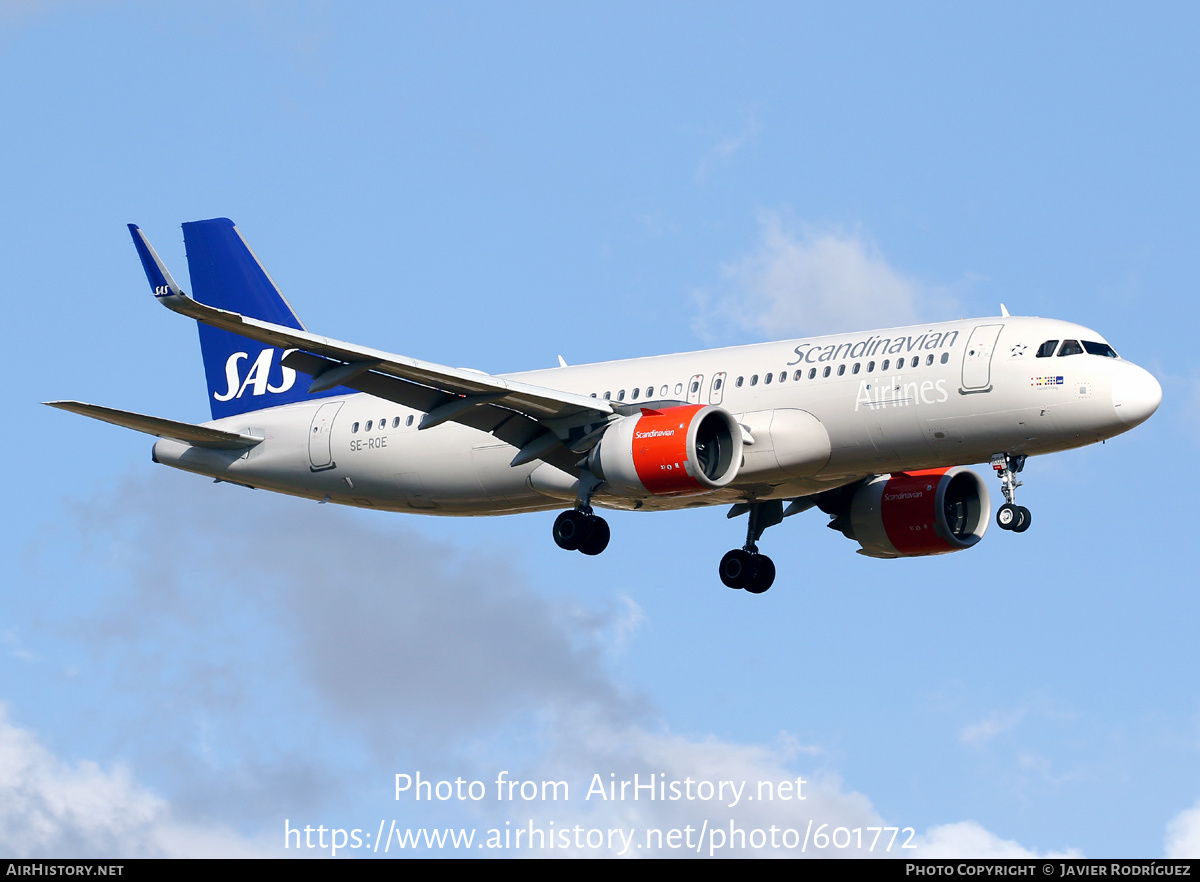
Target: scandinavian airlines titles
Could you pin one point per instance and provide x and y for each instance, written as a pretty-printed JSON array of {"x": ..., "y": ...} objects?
[
  {"x": 895, "y": 393},
  {"x": 811, "y": 353}
]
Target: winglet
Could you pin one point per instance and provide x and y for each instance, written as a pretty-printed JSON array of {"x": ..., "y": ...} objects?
[{"x": 156, "y": 272}]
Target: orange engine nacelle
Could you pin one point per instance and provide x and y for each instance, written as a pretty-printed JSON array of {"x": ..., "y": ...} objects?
[
  {"x": 934, "y": 511},
  {"x": 676, "y": 451}
]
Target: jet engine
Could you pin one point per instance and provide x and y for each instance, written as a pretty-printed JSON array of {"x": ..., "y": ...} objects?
[
  {"x": 909, "y": 514},
  {"x": 676, "y": 451}
]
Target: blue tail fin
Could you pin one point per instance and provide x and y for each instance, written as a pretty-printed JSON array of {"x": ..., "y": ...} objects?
[{"x": 242, "y": 375}]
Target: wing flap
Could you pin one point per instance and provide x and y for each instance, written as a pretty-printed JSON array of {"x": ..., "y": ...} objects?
[
  {"x": 188, "y": 433},
  {"x": 493, "y": 417}
]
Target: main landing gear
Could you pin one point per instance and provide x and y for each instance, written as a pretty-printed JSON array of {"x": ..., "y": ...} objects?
[
  {"x": 581, "y": 529},
  {"x": 744, "y": 567},
  {"x": 1010, "y": 516}
]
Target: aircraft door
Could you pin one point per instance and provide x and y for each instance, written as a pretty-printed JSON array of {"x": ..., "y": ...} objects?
[
  {"x": 320, "y": 451},
  {"x": 717, "y": 392},
  {"x": 693, "y": 390},
  {"x": 977, "y": 359}
]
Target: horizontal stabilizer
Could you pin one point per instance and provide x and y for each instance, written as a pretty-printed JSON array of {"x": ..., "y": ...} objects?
[{"x": 188, "y": 433}]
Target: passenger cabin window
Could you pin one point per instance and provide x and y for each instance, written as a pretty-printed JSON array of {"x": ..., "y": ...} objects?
[
  {"x": 367, "y": 428},
  {"x": 782, "y": 376},
  {"x": 812, "y": 372},
  {"x": 945, "y": 357},
  {"x": 395, "y": 422},
  {"x": 825, "y": 373},
  {"x": 929, "y": 359},
  {"x": 649, "y": 391},
  {"x": 621, "y": 395},
  {"x": 409, "y": 421},
  {"x": 798, "y": 375},
  {"x": 679, "y": 388},
  {"x": 885, "y": 364},
  {"x": 636, "y": 393},
  {"x": 738, "y": 383},
  {"x": 916, "y": 361},
  {"x": 1047, "y": 349},
  {"x": 354, "y": 429},
  {"x": 856, "y": 367},
  {"x": 841, "y": 369},
  {"x": 768, "y": 378},
  {"x": 754, "y": 380},
  {"x": 1099, "y": 349},
  {"x": 870, "y": 366},
  {"x": 1070, "y": 347},
  {"x": 662, "y": 393}
]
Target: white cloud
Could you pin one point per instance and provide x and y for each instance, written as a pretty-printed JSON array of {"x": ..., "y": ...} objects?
[
  {"x": 817, "y": 281},
  {"x": 967, "y": 839},
  {"x": 725, "y": 149},
  {"x": 17, "y": 651},
  {"x": 584, "y": 746},
  {"x": 402, "y": 636},
  {"x": 413, "y": 648},
  {"x": 51, "y": 808},
  {"x": 1183, "y": 835},
  {"x": 987, "y": 729}
]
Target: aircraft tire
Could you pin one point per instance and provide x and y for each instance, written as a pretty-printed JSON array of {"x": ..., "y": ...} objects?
[
  {"x": 1024, "y": 520},
  {"x": 598, "y": 536},
  {"x": 764, "y": 574},
  {"x": 571, "y": 530},
  {"x": 737, "y": 568},
  {"x": 1007, "y": 516}
]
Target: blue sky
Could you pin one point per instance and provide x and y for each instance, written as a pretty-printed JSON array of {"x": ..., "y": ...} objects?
[{"x": 187, "y": 665}]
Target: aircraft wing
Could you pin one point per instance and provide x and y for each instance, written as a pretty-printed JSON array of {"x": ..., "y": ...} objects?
[
  {"x": 352, "y": 361},
  {"x": 197, "y": 436},
  {"x": 551, "y": 416}
]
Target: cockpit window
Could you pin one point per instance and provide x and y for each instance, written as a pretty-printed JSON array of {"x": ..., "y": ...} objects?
[
  {"x": 1047, "y": 349},
  {"x": 1070, "y": 347},
  {"x": 1099, "y": 349}
]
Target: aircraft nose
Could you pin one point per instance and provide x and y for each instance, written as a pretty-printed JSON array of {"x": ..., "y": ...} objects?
[{"x": 1135, "y": 394}]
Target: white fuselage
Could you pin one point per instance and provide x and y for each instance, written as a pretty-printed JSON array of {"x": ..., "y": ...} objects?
[{"x": 817, "y": 413}]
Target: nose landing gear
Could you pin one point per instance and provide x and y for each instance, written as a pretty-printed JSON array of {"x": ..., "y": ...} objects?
[
  {"x": 1010, "y": 516},
  {"x": 744, "y": 567}
]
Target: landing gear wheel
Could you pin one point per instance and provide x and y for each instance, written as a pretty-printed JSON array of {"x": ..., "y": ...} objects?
[
  {"x": 1024, "y": 521},
  {"x": 571, "y": 529},
  {"x": 764, "y": 574},
  {"x": 1008, "y": 517},
  {"x": 597, "y": 540},
  {"x": 737, "y": 568}
]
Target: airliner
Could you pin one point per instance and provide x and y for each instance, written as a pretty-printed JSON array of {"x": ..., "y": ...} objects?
[{"x": 872, "y": 428}]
